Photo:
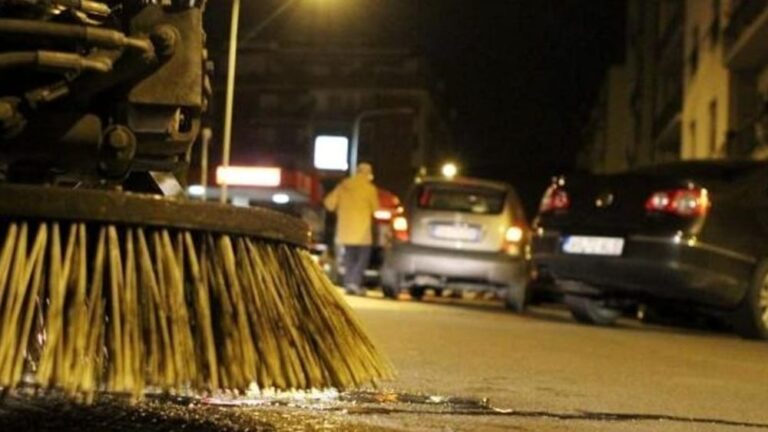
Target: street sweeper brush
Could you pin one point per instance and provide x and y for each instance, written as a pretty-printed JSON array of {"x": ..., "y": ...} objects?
[
  {"x": 105, "y": 290},
  {"x": 119, "y": 292}
]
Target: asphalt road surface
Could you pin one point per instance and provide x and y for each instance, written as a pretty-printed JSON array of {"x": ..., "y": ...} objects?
[
  {"x": 468, "y": 365},
  {"x": 542, "y": 371}
]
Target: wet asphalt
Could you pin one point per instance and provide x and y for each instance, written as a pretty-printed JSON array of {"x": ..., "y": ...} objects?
[{"x": 466, "y": 364}]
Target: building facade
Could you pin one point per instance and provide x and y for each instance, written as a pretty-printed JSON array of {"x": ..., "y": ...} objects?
[
  {"x": 650, "y": 88},
  {"x": 726, "y": 79},
  {"x": 745, "y": 55},
  {"x": 287, "y": 96},
  {"x": 707, "y": 114},
  {"x": 668, "y": 84},
  {"x": 654, "y": 64},
  {"x": 608, "y": 132},
  {"x": 697, "y": 72}
]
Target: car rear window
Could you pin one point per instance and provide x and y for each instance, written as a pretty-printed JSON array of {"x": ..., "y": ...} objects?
[{"x": 475, "y": 200}]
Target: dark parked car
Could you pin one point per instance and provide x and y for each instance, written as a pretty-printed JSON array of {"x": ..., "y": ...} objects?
[{"x": 694, "y": 233}]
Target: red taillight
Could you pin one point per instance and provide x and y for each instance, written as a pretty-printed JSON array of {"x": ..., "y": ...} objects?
[
  {"x": 383, "y": 215},
  {"x": 681, "y": 202},
  {"x": 400, "y": 227},
  {"x": 555, "y": 198}
]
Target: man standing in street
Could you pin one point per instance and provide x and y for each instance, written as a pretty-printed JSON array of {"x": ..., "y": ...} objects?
[{"x": 354, "y": 200}]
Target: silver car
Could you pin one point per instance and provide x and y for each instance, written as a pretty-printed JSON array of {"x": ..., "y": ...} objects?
[{"x": 460, "y": 234}]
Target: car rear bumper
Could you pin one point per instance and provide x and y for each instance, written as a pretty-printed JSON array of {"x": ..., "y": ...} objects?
[
  {"x": 494, "y": 268},
  {"x": 656, "y": 267}
]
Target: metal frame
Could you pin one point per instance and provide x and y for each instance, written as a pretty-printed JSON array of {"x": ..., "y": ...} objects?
[{"x": 125, "y": 208}]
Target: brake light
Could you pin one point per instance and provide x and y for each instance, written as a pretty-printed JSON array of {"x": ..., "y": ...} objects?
[
  {"x": 555, "y": 198},
  {"x": 681, "y": 202},
  {"x": 400, "y": 227},
  {"x": 382, "y": 215}
]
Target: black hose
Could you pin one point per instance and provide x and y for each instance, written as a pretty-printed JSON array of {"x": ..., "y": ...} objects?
[
  {"x": 86, "y": 6},
  {"x": 104, "y": 38},
  {"x": 54, "y": 60},
  {"x": 17, "y": 59}
]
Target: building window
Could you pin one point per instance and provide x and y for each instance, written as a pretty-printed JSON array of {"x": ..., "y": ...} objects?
[
  {"x": 714, "y": 27},
  {"x": 693, "y": 56},
  {"x": 713, "y": 128},
  {"x": 692, "y": 131}
]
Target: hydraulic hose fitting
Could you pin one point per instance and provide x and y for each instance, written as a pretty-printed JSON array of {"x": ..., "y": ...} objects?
[{"x": 12, "y": 122}]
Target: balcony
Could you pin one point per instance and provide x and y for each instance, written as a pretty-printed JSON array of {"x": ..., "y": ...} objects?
[{"x": 746, "y": 31}]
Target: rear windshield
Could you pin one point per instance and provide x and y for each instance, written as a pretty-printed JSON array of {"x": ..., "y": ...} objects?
[{"x": 475, "y": 200}]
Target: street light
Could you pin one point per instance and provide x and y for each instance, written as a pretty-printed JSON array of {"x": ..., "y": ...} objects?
[
  {"x": 232, "y": 67},
  {"x": 449, "y": 170}
]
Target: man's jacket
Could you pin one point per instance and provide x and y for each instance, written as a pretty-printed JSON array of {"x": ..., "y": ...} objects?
[{"x": 354, "y": 200}]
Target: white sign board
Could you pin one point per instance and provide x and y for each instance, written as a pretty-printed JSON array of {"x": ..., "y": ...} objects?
[{"x": 331, "y": 152}]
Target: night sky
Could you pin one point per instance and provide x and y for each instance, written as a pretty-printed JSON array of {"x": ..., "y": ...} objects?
[{"x": 519, "y": 76}]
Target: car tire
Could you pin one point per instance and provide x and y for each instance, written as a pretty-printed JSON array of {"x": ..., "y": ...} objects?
[
  {"x": 591, "y": 311},
  {"x": 417, "y": 293},
  {"x": 516, "y": 298},
  {"x": 390, "y": 292},
  {"x": 438, "y": 292},
  {"x": 392, "y": 285},
  {"x": 391, "y": 282},
  {"x": 750, "y": 320}
]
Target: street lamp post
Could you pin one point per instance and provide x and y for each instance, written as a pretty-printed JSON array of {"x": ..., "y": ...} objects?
[
  {"x": 357, "y": 124},
  {"x": 228, "y": 104},
  {"x": 232, "y": 67},
  {"x": 205, "y": 144}
]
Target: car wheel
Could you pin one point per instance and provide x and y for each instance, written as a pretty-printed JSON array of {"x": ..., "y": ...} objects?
[
  {"x": 751, "y": 318},
  {"x": 390, "y": 292},
  {"x": 515, "y": 298},
  {"x": 591, "y": 311},
  {"x": 417, "y": 293},
  {"x": 391, "y": 284}
]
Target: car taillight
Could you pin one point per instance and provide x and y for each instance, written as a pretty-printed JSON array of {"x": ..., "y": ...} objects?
[
  {"x": 555, "y": 198},
  {"x": 513, "y": 238},
  {"x": 681, "y": 202},
  {"x": 400, "y": 227},
  {"x": 514, "y": 234}
]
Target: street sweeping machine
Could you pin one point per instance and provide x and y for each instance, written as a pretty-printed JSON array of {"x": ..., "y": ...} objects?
[{"x": 110, "y": 283}]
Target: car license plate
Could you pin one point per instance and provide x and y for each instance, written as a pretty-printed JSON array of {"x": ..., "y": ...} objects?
[
  {"x": 455, "y": 232},
  {"x": 592, "y": 245}
]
